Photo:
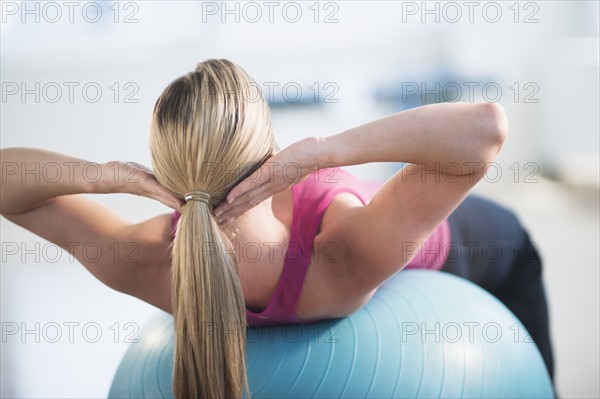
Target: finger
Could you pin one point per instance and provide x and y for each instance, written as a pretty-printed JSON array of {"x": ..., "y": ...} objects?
[
  {"x": 170, "y": 201},
  {"x": 234, "y": 210},
  {"x": 242, "y": 204},
  {"x": 230, "y": 216},
  {"x": 257, "y": 179},
  {"x": 243, "y": 187},
  {"x": 166, "y": 197},
  {"x": 254, "y": 197},
  {"x": 177, "y": 203}
]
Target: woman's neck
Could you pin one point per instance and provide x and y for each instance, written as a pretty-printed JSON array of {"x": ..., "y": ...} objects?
[
  {"x": 261, "y": 237},
  {"x": 258, "y": 236},
  {"x": 272, "y": 212}
]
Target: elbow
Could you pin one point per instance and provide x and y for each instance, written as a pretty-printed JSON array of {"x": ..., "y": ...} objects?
[
  {"x": 498, "y": 122},
  {"x": 495, "y": 129}
]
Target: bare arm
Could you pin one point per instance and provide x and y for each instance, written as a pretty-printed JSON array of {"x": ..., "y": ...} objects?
[
  {"x": 31, "y": 176},
  {"x": 431, "y": 136},
  {"x": 40, "y": 193},
  {"x": 452, "y": 139},
  {"x": 447, "y": 147}
]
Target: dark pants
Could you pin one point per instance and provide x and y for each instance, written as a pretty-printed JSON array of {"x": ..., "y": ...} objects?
[{"x": 491, "y": 248}]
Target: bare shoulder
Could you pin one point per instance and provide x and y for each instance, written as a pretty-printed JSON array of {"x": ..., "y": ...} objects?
[
  {"x": 152, "y": 283},
  {"x": 323, "y": 293},
  {"x": 406, "y": 209}
]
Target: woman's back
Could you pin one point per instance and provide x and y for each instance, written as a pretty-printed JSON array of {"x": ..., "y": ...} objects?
[
  {"x": 287, "y": 286},
  {"x": 285, "y": 269}
]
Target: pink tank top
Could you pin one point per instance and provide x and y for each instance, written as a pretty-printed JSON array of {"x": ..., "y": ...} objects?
[{"x": 311, "y": 197}]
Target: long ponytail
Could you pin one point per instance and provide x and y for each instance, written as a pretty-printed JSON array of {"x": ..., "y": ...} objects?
[
  {"x": 209, "y": 311},
  {"x": 207, "y": 125}
]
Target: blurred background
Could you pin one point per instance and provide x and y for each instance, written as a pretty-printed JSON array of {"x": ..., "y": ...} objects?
[{"x": 82, "y": 77}]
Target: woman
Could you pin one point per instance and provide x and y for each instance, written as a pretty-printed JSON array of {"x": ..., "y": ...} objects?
[{"x": 297, "y": 239}]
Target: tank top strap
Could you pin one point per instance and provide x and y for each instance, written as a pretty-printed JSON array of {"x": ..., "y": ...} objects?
[{"x": 311, "y": 198}]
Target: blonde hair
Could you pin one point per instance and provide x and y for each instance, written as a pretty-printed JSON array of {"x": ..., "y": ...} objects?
[{"x": 209, "y": 129}]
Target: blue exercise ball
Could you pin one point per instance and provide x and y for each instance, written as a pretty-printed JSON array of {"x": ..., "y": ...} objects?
[{"x": 425, "y": 334}]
